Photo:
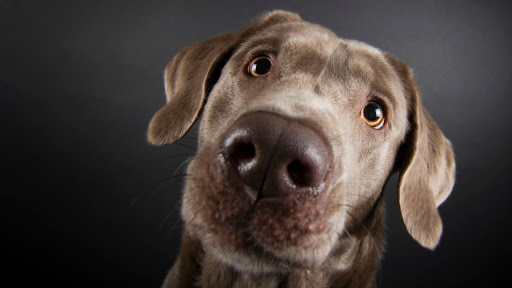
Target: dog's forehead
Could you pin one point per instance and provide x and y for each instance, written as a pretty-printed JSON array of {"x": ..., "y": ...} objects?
[
  {"x": 292, "y": 37},
  {"x": 304, "y": 35},
  {"x": 313, "y": 50},
  {"x": 310, "y": 43}
]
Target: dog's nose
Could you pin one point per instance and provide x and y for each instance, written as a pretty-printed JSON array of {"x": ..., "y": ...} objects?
[{"x": 277, "y": 156}]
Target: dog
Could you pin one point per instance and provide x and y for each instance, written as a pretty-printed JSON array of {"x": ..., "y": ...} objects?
[{"x": 299, "y": 132}]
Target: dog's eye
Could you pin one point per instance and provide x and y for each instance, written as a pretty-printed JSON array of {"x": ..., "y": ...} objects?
[
  {"x": 260, "y": 66},
  {"x": 373, "y": 115}
]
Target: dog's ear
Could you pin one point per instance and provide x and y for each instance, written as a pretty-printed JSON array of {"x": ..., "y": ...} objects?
[
  {"x": 426, "y": 165},
  {"x": 187, "y": 80},
  {"x": 193, "y": 72}
]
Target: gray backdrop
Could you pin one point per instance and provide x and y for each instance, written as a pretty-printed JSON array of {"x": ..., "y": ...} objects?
[{"x": 87, "y": 202}]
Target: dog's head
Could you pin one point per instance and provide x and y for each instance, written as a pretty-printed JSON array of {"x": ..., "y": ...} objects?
[{"x": 299, "y": 132}]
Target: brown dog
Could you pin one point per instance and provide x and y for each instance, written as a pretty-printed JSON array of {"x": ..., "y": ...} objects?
[{"x": 299, "y": 132}]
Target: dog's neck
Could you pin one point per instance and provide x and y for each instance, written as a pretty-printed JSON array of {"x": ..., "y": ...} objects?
[{"x": 353, "y": 263}]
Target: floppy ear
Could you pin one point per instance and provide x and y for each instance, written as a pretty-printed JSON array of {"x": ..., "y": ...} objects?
[
  {"x": 426, "y": 165},
  {"x": 187, "y": 78},
  {"x": 193, "y": 72}
]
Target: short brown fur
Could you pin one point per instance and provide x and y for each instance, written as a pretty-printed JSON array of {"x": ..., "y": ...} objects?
[{"x": 334, "y": 239}]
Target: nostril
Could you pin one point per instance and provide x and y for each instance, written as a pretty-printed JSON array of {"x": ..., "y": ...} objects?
[
  {"x": 300, "y": 173},
  {"x": 243, "y": 152}
]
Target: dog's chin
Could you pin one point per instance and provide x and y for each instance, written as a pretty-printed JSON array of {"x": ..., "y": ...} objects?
[{"x": 242, "y": 251}]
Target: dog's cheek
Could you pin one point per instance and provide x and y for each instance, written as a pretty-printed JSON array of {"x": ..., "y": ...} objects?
[
  {"x": 211, "y": 204},
  {"x": 374, "y": 167}
]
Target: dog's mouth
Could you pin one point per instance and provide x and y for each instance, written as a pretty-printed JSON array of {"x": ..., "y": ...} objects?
[{"x": 262, "y": 233}]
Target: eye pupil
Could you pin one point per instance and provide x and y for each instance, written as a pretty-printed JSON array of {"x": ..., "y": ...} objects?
[
  {"x": 373, "y": 115},
  {"x": 260, "y": 66},
  {"x": 372, "y": 112}
]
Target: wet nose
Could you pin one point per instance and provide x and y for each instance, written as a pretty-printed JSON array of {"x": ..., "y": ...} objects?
[{"x": 277, "y": 156}]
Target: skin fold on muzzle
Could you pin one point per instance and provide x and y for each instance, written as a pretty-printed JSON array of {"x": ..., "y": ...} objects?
[{"x": 299, "y": 132}]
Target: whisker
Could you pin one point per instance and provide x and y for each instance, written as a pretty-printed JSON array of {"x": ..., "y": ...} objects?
[
  {"x": 176, "y": 176},
  {"x": 183, "y": 163},
  {"x": 167, "y": 218},
  {"x": 365, "y": 228},
  {"x": 349, "y": 235},
  {"x": 189, "y": 147},
  {"x": 176, "y": 156},
  {"x": 189, "y": 136},
  {"x": 343, "y": 205}
]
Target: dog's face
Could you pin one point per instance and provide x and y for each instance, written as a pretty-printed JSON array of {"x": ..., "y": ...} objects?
[
  {"x": 299, "y": 132},
  {"x": 325, "y": 86}
]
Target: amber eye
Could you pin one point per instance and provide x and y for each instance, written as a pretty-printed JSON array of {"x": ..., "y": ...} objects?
[
  {"x": 373, "y": 115},
  {"x": 260, "y": 66}
]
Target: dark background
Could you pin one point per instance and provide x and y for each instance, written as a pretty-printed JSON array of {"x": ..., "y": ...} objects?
[{"x": 87, "y": 202}]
